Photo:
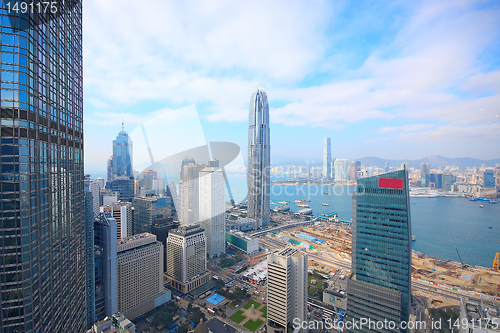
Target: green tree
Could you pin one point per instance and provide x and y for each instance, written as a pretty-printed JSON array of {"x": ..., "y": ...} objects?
[{"x": 161, "y": 318}]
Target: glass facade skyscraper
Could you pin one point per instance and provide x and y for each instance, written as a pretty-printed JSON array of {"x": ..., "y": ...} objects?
[
  {"x": 259, "y": 158},
  {"x": 122, "y": 156},
  {"x": 42, "y": 275},
  {"x": 341, "y": 170},
  {"x": 327, "y": 159},
  {"x": 380, "y": 286}
]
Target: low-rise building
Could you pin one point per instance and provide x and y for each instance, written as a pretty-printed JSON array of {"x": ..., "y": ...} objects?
[
  {"x": 118, "y": 323},
  {"x": 483, "y": 317},
  {"x": 243, "y": 242}
]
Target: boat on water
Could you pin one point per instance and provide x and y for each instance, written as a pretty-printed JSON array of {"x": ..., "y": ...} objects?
[
  {"x": 325, "y": 204},
  {"x": 283, "y": 202},
  {"x": 413, "y": 238},
  {"x": 490, "y": 227},
  {"x": 302, "y": 205},
  {"x": 305, "y": 200},
  {"x": 494, "y": 201},
  {"x": 481, "y": 206},
  {"x": 473, "y": 199},
  {"x": 297, "y": 201}
]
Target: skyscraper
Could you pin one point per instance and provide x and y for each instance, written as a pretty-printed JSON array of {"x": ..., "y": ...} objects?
[
  {"x": 425, "y": 169},
  {"x": 122, "y": 213},
  {"x": 140, "y": 275},
  {"x": 109, "y": 172},
  {"x": 259, "y": 158},
  {"x": 489, "y": 178},
  {"x": 327, "y": 159},
  {"x": 42, "y": 251},
  {"x": 147, "y": 210},
  {"x": 380, "y": 285},
  {"x": 286, "y": 289},
  {"x": 213, "y": 210},
  {"x": 187, "y": 258},
  {"x": 188, "y": 193},
  {"x": 92, "y": 185},
  {"x": 122, "y": 155},
  {"x": 89, "y": 261},
  {"x": 105, "y": 267},
  {"x": 341, "y": 170}
]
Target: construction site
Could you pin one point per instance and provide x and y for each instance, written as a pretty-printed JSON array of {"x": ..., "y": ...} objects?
[{"x": 334, "y": 240}]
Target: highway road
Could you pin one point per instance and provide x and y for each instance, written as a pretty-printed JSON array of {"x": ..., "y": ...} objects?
[{"x": 328, "y": 259}]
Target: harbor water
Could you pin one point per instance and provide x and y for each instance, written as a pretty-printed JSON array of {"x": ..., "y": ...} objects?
[{"x": 439, "y": 224}]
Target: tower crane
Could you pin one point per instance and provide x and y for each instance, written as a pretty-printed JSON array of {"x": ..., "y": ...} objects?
[
  {"x": 463, "y": 266},
  {"x": 496, "y": 263}
]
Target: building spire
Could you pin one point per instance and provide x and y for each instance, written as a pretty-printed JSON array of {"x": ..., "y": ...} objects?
[{"x": 122, "y": 125}]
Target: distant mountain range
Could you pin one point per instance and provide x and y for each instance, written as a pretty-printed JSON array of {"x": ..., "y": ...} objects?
[{"x": 435, "y": 161}]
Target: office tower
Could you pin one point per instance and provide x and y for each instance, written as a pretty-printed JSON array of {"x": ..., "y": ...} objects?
[
  {"x": 259, "y": 159},
  {"x": 188, "y": 193},
  {"x": 122, "y": 156},
  {"x": 327, "y": 158},
  {"x": 214, "y": 163},
  {"x": 341, "y": 170},
  {"x": 332, "y": 167},
  {"x": 447, "y": 182},
  {"x": 488, "y": 178},
  {"x": 108, "y": 196},
  {"x": 140, "y": 275},
  {"x": 147, "y": 179},
  {"x": 185, "y": 161},
  {"x": 122, "y": 213},
  {"x": 187, "y": 258},
  {"x": 160, "y": 229},
  {"x": 109, "y": 168},
  {"x": 497, "y": 176},
  {"x": 147, "y": 210},
  {"x": 159, "y": 187},
  {"x": 386, "y": 169},
  {"x": 100, "y": 180},
  {"x": 213, "y": 210},
  {"x": 172, "y": 194},
  {"x": 286, "y": 289},
  {"x": 105, "y": 266},
  {"x": 380, "y": 285},
  {"x": 354, "y": 170},
  {"x": 357, "y": 170},
  {"x": 92, "y": 185},
  {"x": 43, "y": 239},
  {"x": 125, "y": 187},
  {"x": 89, "y": 260},
  {"x": 425, "y": 169}
]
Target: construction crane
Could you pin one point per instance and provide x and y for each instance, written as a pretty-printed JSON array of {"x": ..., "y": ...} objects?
[
  {"x": 463, "y": 266},
  {"x": 496, "y": 263}
]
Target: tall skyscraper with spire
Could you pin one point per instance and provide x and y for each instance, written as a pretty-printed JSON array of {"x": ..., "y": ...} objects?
[
  {"x": 42, "y": 266},
  {"x": 122, "y": 155},
  {"x": 327, "y": 159},
  {"x": 259, "y": 158}
]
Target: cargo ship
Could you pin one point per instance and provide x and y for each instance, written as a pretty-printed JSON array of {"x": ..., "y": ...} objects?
[
  {"x": 325, "y": 204},
  {"x": 302, "y": 205}
]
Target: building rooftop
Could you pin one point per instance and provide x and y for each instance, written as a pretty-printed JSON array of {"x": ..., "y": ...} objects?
[
  {"x": 135, "y": 241},
  {"x": 187, "y": 230}
]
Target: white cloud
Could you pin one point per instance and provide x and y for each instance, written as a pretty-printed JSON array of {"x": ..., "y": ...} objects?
[
  {"x": 191, "y": 52},
  {"x": 218, "y": 52}
]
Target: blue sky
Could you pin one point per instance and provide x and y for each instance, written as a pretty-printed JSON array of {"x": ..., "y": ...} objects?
[{"x": 400, "y": 79}]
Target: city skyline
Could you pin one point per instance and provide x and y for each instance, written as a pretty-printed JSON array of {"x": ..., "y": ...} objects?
[{"x": 416, "y": 76}]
